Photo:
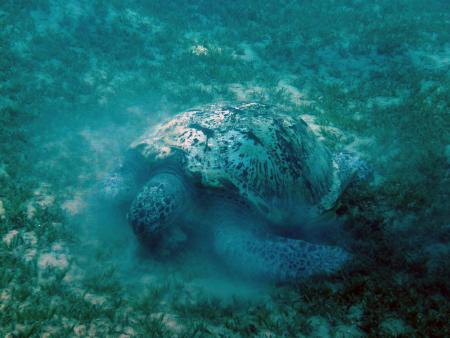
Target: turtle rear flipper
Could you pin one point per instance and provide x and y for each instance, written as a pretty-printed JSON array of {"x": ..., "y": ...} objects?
[{"x": 275, "y": 258}]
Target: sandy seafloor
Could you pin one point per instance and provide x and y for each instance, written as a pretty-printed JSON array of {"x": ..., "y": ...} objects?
[{"x": 79, "y": 80}]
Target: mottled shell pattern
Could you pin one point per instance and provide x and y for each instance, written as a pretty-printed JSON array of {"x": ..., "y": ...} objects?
[{"x": 272, "y": 159}]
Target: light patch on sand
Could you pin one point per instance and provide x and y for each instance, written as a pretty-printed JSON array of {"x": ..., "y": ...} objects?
[
  {"x": 51, "y": 331},
  {"x": 313, "y": 125},
  {"x": 249, "y": 54},
  {"x": 169, "y": 320},
  {"x": 58, "y": 246},
  {"x": 97, "y": 328},
  {"x": 74, "y": 206},
  {"x": 80, "y": 330},
  {"x": 3, "y": 171},
  {"x": 19, "y": 331},
  {"x": 447, "y": 153},
  {"x": 238, "y": 90},
  {"x": 74, "y": 274},
  {"x": 42, "y": 198},
  {"x": 361, "y": 143},
  {"x": 394, "y": 327},
  {"x": 137, "y": 20},
  {"x": 99, "y": 142},
  {"x": 348, "y": 331},
  {"x": 30, "y": 238},
  {"x": 53, "y": 260},
  {"x": 135, "y": 110},
  {"x": 31, "y": 210},
  {"x": 296, "y": 97},
  {"x": 246, "y": 93},
  {"x": 5, "y": 297},
  {"x": 431, "y": 59},
  {"x": 128, "y": 332},
  {"x": 320, "y": 327},
  {"x": 199, "y": 50},
  {"x": 336, "y": 133},
  {"x": 352, "y": 142},
  {"x": 95, "y": 299},
  {"x": 29, "y": 255},
  {"x": 384, "y": 101},
  {"x": 2, "y": 210},
  {"x": 10, "y": 236}
]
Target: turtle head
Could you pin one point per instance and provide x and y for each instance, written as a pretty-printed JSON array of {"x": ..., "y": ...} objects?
[{"x": 159, "y": 210}]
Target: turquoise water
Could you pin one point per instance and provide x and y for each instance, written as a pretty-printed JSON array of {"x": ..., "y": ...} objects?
[{"x": 80, "y": 80}]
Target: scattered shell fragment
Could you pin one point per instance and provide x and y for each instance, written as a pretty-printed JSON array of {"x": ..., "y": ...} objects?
[{"x": 199, "y": 50}]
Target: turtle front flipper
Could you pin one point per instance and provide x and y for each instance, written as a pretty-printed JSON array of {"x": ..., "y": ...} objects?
[
  {"x": 275, "y": 258},
  {"x": 157, "y": 209}
]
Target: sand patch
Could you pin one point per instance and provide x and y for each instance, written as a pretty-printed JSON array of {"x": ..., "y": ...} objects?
[
  {"x": 3, "y": 170},
  {"x": 199, "y": 50},
  {"x": 29, "y": 255},
  {"x": 320, "y": 327},
  {"x": 53, "y": 260},
  {"x": 95, "y": 299},
  {"x": 41, "y": 198},
  {"x": 30, "y": 238},
  {"x": 169, "y": 320},
  {"x": 313, "y": 125},
  {"x": 394, "y": 327},
  {"x": 348, "y": 331},
  {"x": 2, "y": 210},
  {"x": 5, "y": 297},
  {"x": 249, "y": 54},
  {"x": 98, "y": 327},
  {"x": 10, "y": 236},
  {"x": 295, "y": 95},
  {"x": 74, "y": 206},
  {"x": 80, "y": 330},
  {"x": 385, "y": 101},
  {"x": 75, "y": 274},
  {"x": 436, "y": 59},
  {"x": 128, "y": 332},
  {"x": 248, "y": 92},
  {"x": 447, "y": 153}
]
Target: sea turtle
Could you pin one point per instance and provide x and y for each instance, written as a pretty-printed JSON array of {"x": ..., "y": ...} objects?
[{"x": 237, "y": 177}]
